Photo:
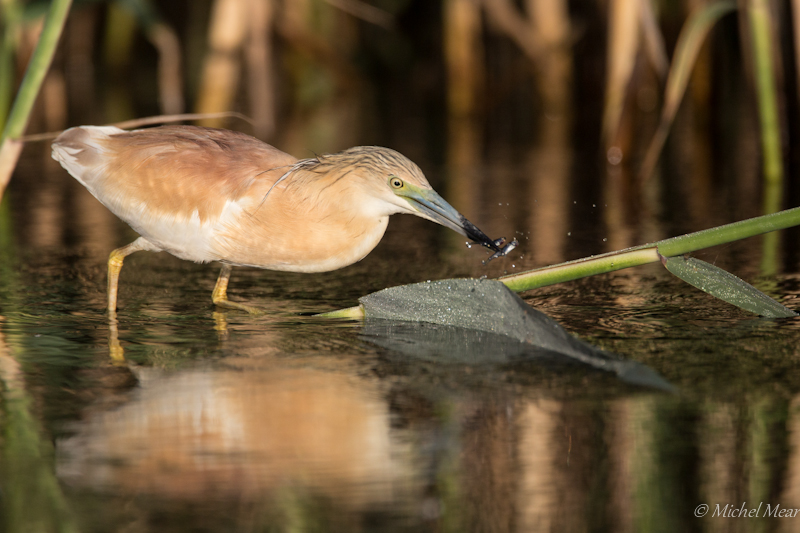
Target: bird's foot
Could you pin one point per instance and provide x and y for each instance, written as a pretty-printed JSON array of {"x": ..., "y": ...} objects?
[{"x": 220, "y": 294}]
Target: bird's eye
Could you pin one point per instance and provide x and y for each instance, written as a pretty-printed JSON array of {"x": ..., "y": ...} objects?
[{"x": 395, "y": 182}]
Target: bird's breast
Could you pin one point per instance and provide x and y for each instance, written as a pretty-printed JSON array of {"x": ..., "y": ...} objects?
[{"x": 293, "y": 238}]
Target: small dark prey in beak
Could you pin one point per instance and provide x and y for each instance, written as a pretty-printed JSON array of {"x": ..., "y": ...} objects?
[{"x": 498, "y": 246}]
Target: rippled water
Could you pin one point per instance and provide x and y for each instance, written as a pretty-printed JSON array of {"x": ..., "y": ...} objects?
[{"x": 182, "y": 418}]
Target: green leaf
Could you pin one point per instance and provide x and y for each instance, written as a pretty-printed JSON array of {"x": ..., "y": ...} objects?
[{"x": 725, "y": 286}]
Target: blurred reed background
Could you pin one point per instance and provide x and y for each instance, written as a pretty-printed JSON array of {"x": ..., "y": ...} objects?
[
  {"x": 548, "y": 107},
  {"x": 555, "y": 104}
]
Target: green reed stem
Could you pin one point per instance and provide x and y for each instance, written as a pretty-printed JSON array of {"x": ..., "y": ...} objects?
[
  {"x": 31, "y": 83},
  {"x": 650, "y": 253},
  {"x": 37, "y": 69},
  {"x": 761, "y": 25},
  {"x": 11, "y": 11}
]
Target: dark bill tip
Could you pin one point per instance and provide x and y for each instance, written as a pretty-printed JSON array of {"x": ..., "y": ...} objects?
[{"x": 472, "y": 231}]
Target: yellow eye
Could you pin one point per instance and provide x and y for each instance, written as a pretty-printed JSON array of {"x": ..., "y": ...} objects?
[{"x": 395, "y": 182}]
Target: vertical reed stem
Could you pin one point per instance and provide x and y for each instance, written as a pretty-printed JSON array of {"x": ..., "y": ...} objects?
[
  {"x": 31, "y": 83},
  {"x": 766, "y": 92},
  {"x": 761, "y": 26},
  {"x": 11, "y": 11}
]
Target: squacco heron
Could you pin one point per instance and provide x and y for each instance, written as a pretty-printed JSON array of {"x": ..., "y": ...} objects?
[{"x": 205, "y": 194}]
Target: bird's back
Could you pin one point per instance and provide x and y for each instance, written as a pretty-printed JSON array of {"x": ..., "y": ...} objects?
[
  {"x": 175, "y": 170},
  {"x": 173, "y": 183}
]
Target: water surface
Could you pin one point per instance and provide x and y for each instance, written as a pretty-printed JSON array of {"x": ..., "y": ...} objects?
[{"x": 179, "y": 417}]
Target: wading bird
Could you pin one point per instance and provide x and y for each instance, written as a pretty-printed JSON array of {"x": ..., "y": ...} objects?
[{"x": 205, "y": 194}]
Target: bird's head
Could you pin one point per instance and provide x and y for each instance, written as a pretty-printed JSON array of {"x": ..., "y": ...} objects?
[{"x": 391, "y": 178}]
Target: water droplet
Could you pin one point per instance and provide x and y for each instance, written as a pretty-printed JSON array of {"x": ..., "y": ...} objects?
[
  {"x": 569, "y": 234},
  {"x": 605, "y": 239},
  {"x": 594, "y": 205},
  {"x": 469, "y": 245}
]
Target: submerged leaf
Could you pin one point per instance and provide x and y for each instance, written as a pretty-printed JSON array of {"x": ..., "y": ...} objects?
[{"x": 725, "y": 286}]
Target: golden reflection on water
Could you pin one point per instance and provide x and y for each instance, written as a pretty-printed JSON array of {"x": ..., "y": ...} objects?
[
  {"x": 792, "y": 487},
  {"x": 255, "y": 431},
  {"x": 241, "y": 433}
]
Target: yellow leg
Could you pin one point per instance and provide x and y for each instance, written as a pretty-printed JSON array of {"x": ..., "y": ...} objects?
[
  {"x": 115, "y": 265},
  {"x": 221, "y": 324},
  {"x": 220, "y": 294},
  {"x": 115, "y": 350}
]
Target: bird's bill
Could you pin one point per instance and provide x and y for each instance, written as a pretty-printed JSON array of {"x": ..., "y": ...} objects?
[{"x": 430, "y": 205}]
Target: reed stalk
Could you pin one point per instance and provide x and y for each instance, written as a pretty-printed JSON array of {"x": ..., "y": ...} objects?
[
  {"x": 10, "y": 146},
  {"x": 691, "y": 39},
  {"x": 11, "y": 11},
  {"x": 762, "y": 25}
]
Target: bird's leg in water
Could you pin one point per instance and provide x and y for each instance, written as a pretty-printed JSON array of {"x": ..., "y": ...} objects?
[
  {"x": 115, "y": 266},
  {"x": 220, "y": 294}
]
